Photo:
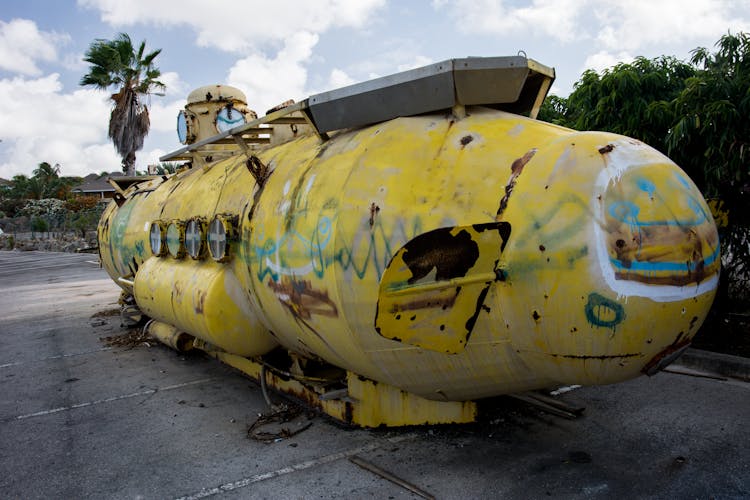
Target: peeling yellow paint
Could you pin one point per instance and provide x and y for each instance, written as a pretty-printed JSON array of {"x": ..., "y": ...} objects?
[{"x": 334, "y": 242}]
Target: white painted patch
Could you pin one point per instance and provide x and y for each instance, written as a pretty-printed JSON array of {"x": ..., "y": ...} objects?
[
  {"x": 310, "y": 182},
  {"x": 289, "y": 271},
  {"x": 146, "y": 226},
  {"x": 625, "y": 155},
  {"x": 563, "y": 390},
  {"x": 287, "y": 187},
  {"x": 516, "y": 130}
]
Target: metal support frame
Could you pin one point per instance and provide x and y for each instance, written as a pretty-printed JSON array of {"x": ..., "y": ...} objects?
[{"x": 515, "y": 84}]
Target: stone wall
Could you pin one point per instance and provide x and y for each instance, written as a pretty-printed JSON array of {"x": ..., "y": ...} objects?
[{"x": 48, "y": 242}]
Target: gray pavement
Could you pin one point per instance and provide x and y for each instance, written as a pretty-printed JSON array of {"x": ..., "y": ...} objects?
[{"x": 79, "y": 419}]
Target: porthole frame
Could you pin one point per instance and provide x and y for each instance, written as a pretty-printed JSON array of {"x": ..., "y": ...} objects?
[
  {"x": 163, "y": 238},
  {"x": 203, "y": 238},
  {"x": 227, "y": 224},
  {"x": 180, "y": 227}
]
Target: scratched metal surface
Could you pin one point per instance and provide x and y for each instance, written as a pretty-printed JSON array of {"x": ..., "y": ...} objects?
[{"x": 453, "y": 257}]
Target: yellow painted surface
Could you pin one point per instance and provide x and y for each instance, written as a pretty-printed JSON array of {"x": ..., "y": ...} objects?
[
  {"x": 433, "y": 289},
  {"x": 205, "y": 300},
  {"x": 368, "y": 403},
  {"x": 170, "y": 335},
  {"x": 611, "y": 257},
  {"x": 379, "y": 404}
]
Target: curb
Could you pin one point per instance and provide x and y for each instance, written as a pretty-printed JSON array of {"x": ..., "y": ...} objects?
[{"x": 725, "y": 365}]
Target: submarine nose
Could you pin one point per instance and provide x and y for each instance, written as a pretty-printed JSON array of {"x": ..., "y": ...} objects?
[
  {"x": 656, "y": 237},
  {"x": 612, "y": 274},
  {"x": 658, "y": 251}
]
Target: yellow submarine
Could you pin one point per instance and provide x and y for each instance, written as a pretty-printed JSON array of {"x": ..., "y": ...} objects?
[{"x": 393, "y": 251}]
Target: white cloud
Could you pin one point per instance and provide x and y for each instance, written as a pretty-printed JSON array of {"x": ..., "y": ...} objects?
[
  {"x": 276, "y": 38},
  {"x": 618, "y": 25},
  {"x": 270, "y": 81},
  {"x": 164, "y": 115},
  {"x": 150, "y": 157},
  {"x": 41, "y": 123},
  {"x": 176, "y": 87},
  {"x": 22, "y": 45},
  {"x": 417, "y": 62},
  {"x": 74, "y": 62},
  {"x": 628, "y": 26},
  {"x": 238, "y": 26},
  {"x": 553, "y": 18},
  {"x": 603, "y": 60},
  {"x": 338, "y": 78},
  {"x": 398, "y": 54}
]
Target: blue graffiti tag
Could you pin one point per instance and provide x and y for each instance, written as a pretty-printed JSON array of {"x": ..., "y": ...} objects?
[{"x": 603, "y": 312}]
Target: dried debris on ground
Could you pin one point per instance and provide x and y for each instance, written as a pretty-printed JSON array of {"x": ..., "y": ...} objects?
[
  {"x": 268, "y": 428},
  {"x": 132, "y": 338},
  {"x": 106, "y": 313}
]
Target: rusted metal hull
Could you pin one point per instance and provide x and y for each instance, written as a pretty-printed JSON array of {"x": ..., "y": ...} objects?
[{"x": 452, "y": 258}]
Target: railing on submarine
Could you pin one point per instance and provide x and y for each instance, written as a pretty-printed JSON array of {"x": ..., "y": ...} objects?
[{"x": 515, "y": 84}]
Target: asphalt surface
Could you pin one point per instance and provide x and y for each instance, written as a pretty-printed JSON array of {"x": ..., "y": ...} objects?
[{"x": 82, "y": 419}]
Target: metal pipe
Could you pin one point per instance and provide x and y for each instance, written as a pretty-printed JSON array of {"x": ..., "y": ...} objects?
[
  {"x": 169, "y": 335},
  {"x": 390, "y": 477},
  {"x": 125, "y": 281}
]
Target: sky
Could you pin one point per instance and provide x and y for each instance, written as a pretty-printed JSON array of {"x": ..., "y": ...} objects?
[{"x": 290, "y": 49}]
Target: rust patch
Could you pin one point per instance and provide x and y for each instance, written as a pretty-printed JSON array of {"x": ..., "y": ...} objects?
[
  {"x": 667, "y": 252},
  {"x": 199, "y": 307},
  {"x": 602, "y": 357},
  {"x": 516, "y": 168},
  {"x": 667, "y": 356},
  {"x": 473, "y": 319},
  {"x": 258, "y": 170},
  {"x": 606, "y": 149},
  {"x": 302, "y": 299},
  {"x": 374, "y": 210},
  {"x": 438, "y": 302},
  {"x": 451, "y": 256}
]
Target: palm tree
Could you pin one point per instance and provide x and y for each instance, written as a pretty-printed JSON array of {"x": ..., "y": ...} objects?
[
  {"x": 116, "y": 63},
  {"x": 46, "y": 172},
  {"x": 46, "y": 180}
]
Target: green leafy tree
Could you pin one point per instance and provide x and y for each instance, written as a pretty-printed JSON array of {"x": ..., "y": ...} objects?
[
  {"x": 36, "y": 189},
  {"x": 695, "y": 112},
  {"x": 118, "y": 64},
  {"x": 38, "y": 225},
  {"x": 710, "y": 139},
  {"x": 45, "y": 183},
  {"x": 167, "y": 167},
  {"x": 554, "y": 110},
  {"x": 629, "y": 99},
  {"x": 46, "y": 172},
  {"x": 19, "y": 186}
]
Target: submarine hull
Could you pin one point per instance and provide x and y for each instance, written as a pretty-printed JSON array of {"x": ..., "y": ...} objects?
[{"x": 452, "y": 258}]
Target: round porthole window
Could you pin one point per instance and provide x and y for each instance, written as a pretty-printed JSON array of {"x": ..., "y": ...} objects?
[
  {"x": 228, "y": 118},
  {"x": 176, "y": 239},
  {"x": 218, "y": 232},
  {"x": 182, "y": 127},
  {"x": 156, "y": 239},
  {"x": 194, "y": 242}
]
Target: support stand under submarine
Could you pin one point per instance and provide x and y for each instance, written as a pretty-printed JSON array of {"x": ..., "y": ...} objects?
[{"x": 392, "y": 251}]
